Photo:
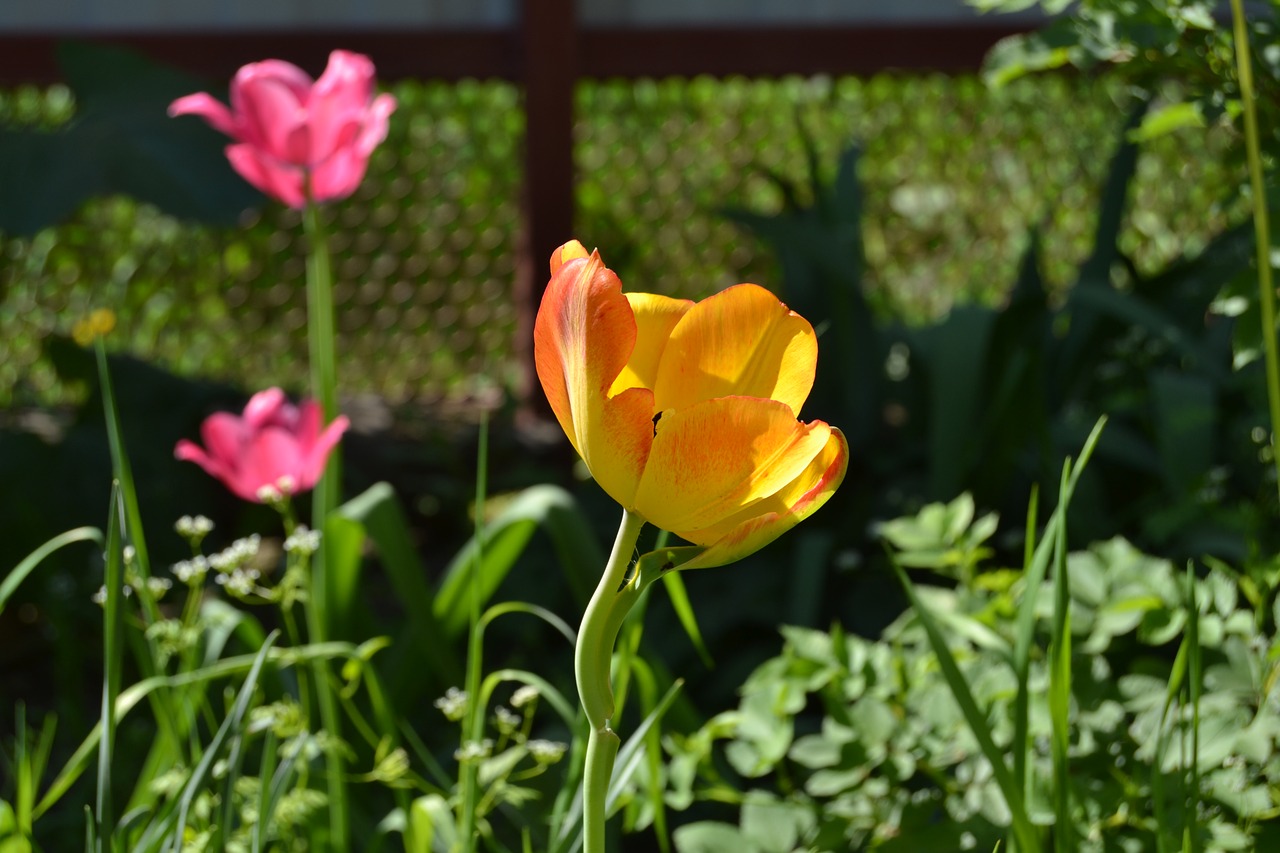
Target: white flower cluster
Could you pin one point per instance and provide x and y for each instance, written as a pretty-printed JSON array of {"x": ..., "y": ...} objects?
[
  {"x": 191, "y": 571},
  {"x": 303, "y": 542},
  {"x": 158, "y": 586},
  {"x": 239, "y": 581},
  {"x": 506, "y": 721},
  {"x": 236, "y": 555},
  {"x": 474, "y": 750},
  {"x": 546, "y": 751},
  {"x": 276, "y": 494},
  {"x": 453, "y": 704},
  {"x": 100, "y": 597},
  {"x": 191, "y": 527},
  {"x": 524, "y": 695}
]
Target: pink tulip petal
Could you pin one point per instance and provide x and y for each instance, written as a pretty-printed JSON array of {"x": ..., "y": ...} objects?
[
  {"x": 282, "y": 182},
  {"x": 189, "y": 451},
  {"x": 224, "y": 434},
  {"x": 339, "y": 176},
  {"x": 274, "y": 119},
  {"x": 287, "y": 78},
  {"x": 264, "y": 408},
  {"x": 318, "y": 457},
  {"x": 376, "y": 122},
  {"x": 209, "y": 108},
  {"x": 307, "y": 426},
  {"x": 271, "y": 455}
]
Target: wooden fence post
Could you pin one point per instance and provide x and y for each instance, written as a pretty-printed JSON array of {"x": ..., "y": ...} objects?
[{"x": 548, "y": 35}]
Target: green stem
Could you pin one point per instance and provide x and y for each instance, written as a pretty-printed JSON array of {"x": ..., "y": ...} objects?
[
  {"x": 1261, "y": 225},
  {"x": 473, "y": 725},
  {"x": 324, "y": 382},
  {"x": 592, "y": 663}
]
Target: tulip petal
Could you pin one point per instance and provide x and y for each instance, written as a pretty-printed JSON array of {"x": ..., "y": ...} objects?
[
  {"x": 188, "y": 451},
  {"x": 342, "y": 113},
  {"x": 583, "y": 336},
  {"x": 209, "y": 108},
  {"x": 567, "y": 252},
  {"x": 713, "y": 459},
  {"x": 317, "y": 456},
  {"x": 270, "y": 456},
  {"x": 274, "y": 119},
  {"x": 741, "y": 535},
  {"x": 223, "y": 435},
  {"x": 656, "y": 316},
  {"x": 280, "y": 181},
  {"x": 739, "y": 342},
  {"x": 269, "y": 406}
]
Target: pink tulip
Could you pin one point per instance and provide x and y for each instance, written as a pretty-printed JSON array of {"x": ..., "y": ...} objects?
[
  {"x": 274, "y": 444},
  {"x": 298, "y": 140}
]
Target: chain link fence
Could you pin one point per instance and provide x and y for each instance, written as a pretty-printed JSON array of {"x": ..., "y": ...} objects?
[{"x": 955, "y": 175}]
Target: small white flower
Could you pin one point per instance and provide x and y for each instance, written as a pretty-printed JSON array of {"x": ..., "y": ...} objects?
[
  {"x": 523, "y": 696},
  {"x": 453, "y": 704},
  {"x": 546, "y": 751},
  {"x": 270, "y": 494},
  {"x": 474, "y": 750},
  {"x": 303, "y": 542},
  {"x": 287, "y": 485},
  {"x": 506, "y": 721},
  {"x": 158, "y": 586}
]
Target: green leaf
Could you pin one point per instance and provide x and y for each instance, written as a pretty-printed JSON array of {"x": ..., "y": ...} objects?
[
  {"x": 713, "y": 837},
  {"x": 344, "y": 544},
  {"x": 549, "y": 507},
  {"x": 378, "y": 512},
  {"x": 1167, "y": 119},
  {"x": 29, "y": 563}
]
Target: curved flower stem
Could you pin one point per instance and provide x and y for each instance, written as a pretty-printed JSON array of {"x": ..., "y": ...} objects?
[
  {"x": 324, "y": 382},
  {"x": 592, "y": 660},
  {"x": 1262, "y": 228}
]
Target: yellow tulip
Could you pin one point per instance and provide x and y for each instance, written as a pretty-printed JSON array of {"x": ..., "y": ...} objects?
[{"x": 686, "y": 413}]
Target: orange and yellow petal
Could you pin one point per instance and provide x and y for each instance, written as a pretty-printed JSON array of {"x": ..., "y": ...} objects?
[
  {"x": 567, "y": 252},
  {"x": 740, "y": 342},
  {"x": 656, "y": 316},
  {"x": 757, "y": 526},
  {"x": 714, "y": 458},
  {"x": 583, "y": 336}
]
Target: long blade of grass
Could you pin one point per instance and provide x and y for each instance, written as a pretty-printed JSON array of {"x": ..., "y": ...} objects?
[
  {"x": 679, "y": 596},
  {"x": 1191, "y": 820},
  {"x": 1060, "y": 682},
  {"x": 231, "y": 724},
  {"x": 1024, "y": 831},
  {"x": 1035, "y": 566},
  {"x": 1261, "y": 224},
  {"x": 39, "y": 555},
  {"x": 112, "y": 631},
  {"x": 129, "y": 698},
  {"x": 384, "y": 522},
  {"x": 505, "y": 538},
  {"x": 145, "y": 648},
  {"x": 473, "y": 725},
  {"x": 267, "y": 767}
]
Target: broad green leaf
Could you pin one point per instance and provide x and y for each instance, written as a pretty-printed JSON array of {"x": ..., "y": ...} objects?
[{"x": 505, "y": 539}]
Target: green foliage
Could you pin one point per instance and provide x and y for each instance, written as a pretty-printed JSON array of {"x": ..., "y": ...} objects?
[
  {"x": 423, "y": 254},
  {"x": 986, "y": 399},
  {"x": 851, "y": 743},
  {"x": 120, "y": 141}
]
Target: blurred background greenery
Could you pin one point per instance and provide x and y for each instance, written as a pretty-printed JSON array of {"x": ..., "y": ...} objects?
[{"x": 955, "y": 175}]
